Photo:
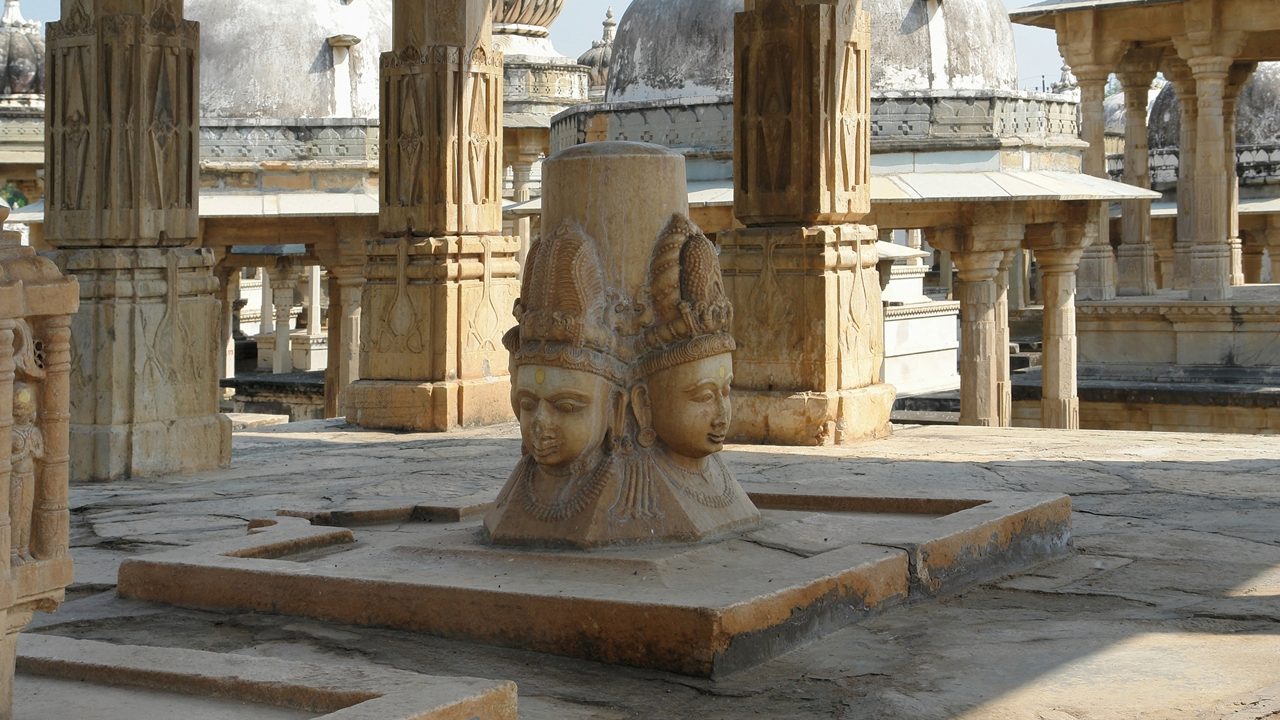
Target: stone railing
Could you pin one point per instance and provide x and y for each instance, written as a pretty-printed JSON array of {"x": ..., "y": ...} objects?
[
  {"x": 1255, "y": 165},
  {"x": 248, "y": 140},
  {"x": 36, "y": 305},
  {"x": 923, "y": 120}
]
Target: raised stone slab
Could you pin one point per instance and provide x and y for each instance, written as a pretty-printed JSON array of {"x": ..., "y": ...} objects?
[
  {"x": 817, "y": 563},
  {"x": 106, "y": 681}
]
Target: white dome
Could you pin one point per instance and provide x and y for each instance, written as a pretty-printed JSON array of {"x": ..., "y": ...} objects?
[
  {"x": 273, "y": 60},
  {"x": 670, "y": 49}
]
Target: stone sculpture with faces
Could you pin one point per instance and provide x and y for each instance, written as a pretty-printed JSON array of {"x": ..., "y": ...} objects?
[{"x": 622, "y": 392}]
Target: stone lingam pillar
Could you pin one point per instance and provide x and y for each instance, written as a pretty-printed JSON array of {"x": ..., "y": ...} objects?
[
  {"x": 442, "y": 278},
  {"x": 622, "y": 362},
  {"x": 802, "y": 273},
  {"x": 36, "y": 306},
  {"x": 122, "y": 214}
]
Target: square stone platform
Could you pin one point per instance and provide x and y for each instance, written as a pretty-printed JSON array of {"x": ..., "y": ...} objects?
[
  {"x": 1167, "y": 607},
  {"x": 818, "y": 562}
]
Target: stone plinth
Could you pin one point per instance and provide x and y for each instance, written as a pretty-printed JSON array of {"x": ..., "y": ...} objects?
[
  {"x": 431, "y": 353},
  {"x": 144, "y": 381},
  {"x": 818, "y": 562},
  {"x": 102, "y": 679},
  {"x": 36, "y": 307},
  {"x": 810, "y": 344},
  {"x": 310, "y": 352}
]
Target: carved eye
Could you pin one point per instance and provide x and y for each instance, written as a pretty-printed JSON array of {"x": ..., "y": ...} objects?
[
  {"x": 528, "y": 404},
  {"x": 703, "y": 396},
  {"x": 569, "y": 406}
]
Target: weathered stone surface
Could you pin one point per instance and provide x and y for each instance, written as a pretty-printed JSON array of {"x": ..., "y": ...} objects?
[
  {"x": 1194, "y": 513},
  {"x": 230, "y": 686}
]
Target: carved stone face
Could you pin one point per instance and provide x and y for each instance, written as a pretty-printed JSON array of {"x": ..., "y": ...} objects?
[
  {"x": 564, "y": 414},
  {"x": 690, "y": 402}
]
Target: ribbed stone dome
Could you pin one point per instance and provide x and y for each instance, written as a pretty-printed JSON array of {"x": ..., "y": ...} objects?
[
  {"x": 527, "y": 12},
  {"x": 274, "y": 60},
  {"x": 21, "y": 54},
  {"x": 667, "y": 49},
  {"x": 1257, "y": 112}
]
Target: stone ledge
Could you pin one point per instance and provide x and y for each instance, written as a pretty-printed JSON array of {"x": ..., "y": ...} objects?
[
  {"x": 819, "y": 562},
  {"x": 352, "y": 694}
]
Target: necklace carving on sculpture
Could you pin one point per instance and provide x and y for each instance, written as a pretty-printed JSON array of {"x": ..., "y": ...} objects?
[
  {"x": 715, "y": 469},
  {"x": 568, "y": 502}
]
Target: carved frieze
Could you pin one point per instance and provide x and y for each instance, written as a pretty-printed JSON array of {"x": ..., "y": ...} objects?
[{"x": 122, "y": 127}]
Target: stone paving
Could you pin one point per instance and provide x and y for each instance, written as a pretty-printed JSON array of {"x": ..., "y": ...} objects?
[{"x": 1169, "y": 608}]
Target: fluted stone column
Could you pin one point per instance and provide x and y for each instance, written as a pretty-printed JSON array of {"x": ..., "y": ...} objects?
[
  {"x": 979, "y": 295},
  {"x": 1135, "y": 258},
  {"x": 1179, "y": 73},
  {"x": 1211, "y": 266},
  {"x": 1236, "y": 79},
  {"x": 441, "y": 280},
  {"x": 1097, "y": 274},
  {"x": 1059, "y": 247},
  {"x": 1004, "y": 384},
  {"x": 229, "y": 283},
  {"x": 121, "y": 137},
  {"x": 284, "y": 281}
]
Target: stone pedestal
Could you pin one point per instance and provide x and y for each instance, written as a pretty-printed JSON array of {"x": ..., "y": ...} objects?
[
  {"x": 442, "y": 278},
  {"x": 36, "y": 306},
  {"x": 122, "y": 213},
  {"x": 145, "y": 354},
  {"x": 309, "y": 352}
]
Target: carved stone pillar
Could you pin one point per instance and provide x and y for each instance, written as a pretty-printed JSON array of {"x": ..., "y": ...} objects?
[
  {"x": 1236, "y": 79},
  {"x": 1211, "y": 255},
  {"x": 1179, "y": 73},
  {"x": 915, "y": 241},
  {"x": 1097, "y": 274},
  {"x": 442, "y": 279},
  {"x": 122, "y": 214},
  {"x": 36, "y": 306},
  {"x": 1058, "y": 249},
  {"x": 284, "y": 281},
  {"x": 802, "y": 273},
  {"x": 1004, "y": 385},
  {"x": 1135, "y": 258},
  {"x": 979, "y": 295},
  {"x": 1253, "y": 251},
  {"x": 229, "y": 292},
  {"x": 1272, "y": 240},
  {"x": 1019, "y": 297},
  {"x": 521, "y": 156},
  {"x": 346, "y": 286}
]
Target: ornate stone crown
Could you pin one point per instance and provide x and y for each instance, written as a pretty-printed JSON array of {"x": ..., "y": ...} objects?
[
  {"x": 563, "y": 308},
  {"x": 692, "y": 316}
]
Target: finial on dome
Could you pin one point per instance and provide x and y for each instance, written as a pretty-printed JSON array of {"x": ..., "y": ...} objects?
[
  {"x": 12, "y": 13},
  {"x": 609, "y": 26}
]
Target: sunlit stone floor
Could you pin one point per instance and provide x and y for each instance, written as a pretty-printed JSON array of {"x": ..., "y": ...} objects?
[{"x": 1170, "y": 607}]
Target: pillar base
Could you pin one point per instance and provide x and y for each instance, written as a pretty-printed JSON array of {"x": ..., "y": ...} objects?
[
  {"x": 182, "y": 445},
  {"x": 309, "y": 352},
  {"x": 812, "y": 418},
  {"x": 1210, "y": 272},
  {"x": 1135, "y": 270},
  {"x": 1060, "y": 413},
  {"x": 428, "y": 407}
]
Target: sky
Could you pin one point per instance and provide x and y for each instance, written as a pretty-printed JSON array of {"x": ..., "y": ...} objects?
[{"x": 579, "y": 24}]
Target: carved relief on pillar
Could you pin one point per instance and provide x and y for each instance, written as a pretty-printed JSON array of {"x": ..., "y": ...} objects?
[
  {"x": 36, "y": 305},
  {"x": 792, "y": 163},
  {"x": 123, "y": 125},
  {"x": 620, "y": 379},
  {"x": 442, "y": 140}
]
